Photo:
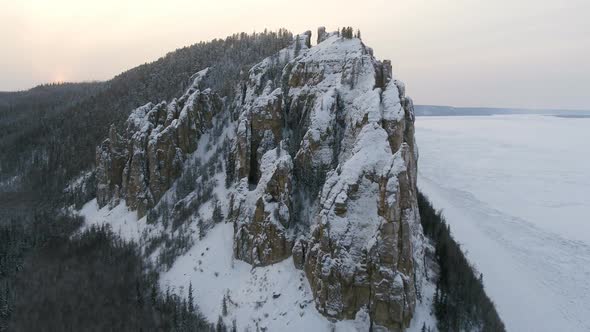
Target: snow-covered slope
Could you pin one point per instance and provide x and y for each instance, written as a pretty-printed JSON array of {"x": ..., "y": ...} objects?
[
  {"x": 276, "y": 297},
  {"x": 293, "y": 201}
]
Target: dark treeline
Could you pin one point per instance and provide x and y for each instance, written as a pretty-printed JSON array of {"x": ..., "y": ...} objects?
[
  {"x": 61, "y": 141},
  {"x": 19, "y": 238},
  {"x": 23, "y": 115},
  {"x": 460, "y": 303},
  {"x": 91, "y": 281},
  {"x": 46, "y": 97}
]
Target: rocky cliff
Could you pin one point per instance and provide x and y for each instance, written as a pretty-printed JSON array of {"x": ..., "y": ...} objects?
[
  {"x": 141, "y": 164},
  {"x": 320, "y": 166}
]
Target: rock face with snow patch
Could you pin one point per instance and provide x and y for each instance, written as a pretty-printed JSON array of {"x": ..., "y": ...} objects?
[
  {"x": 348, "y": 128},
  {"x": 141, "y": 165},
  {"x": 322, "y": 166},
  {"x": 361, "y": 246},
  {"x": 260, "y": 225}
]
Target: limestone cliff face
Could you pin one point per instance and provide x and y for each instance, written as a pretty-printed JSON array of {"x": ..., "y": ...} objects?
[
  {"x": 321, "y": 166},
  {"x": 262, "y": 216},
  {"x": 350, "y": 180},
  {"x": 141, "y": 164}
]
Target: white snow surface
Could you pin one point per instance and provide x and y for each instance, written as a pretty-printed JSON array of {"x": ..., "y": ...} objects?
[
  {"x": 516, "y": 193},
  {"x": 276, "y": 297}
]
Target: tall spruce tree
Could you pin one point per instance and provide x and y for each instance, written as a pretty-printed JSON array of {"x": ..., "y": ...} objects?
[{"x": 191, "y": 307}]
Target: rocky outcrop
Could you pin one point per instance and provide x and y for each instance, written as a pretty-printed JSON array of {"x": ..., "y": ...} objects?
[
  {"x": 348, "y": 128},
  {"x": 262, "y": 208},
  {"x": 262, "y": 216},
  {"x": 361, "y": 247},
  {"x": 322, "y": 167},
  {"x": 322, "y": 35},
  {"x": 140, "y": 165}
]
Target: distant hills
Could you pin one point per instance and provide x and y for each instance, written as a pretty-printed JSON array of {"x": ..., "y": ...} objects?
[{"x": 432, "y": 110}]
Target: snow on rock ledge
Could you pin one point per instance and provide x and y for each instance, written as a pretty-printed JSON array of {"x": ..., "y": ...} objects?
[
  {"x": 321, "y": 166},
  {"x": 141, "y": 165}
]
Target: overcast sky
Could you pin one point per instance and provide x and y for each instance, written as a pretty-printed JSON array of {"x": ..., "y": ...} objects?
[{"x": 504, "y": 53}]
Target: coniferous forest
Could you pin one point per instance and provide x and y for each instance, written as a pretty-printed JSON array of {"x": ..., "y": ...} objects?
[
  {"x": 58, "y": 280},
  {"x": 460, "y": 303}
]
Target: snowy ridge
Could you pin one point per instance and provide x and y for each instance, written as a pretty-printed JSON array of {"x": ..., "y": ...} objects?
[{"x": 316, "y": 148}]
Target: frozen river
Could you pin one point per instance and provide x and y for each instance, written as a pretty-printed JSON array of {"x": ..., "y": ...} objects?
[{"x": 516, "y": 192}]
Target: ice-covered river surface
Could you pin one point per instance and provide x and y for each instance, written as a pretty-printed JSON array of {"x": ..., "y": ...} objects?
[{"x": 516, "y": 192}]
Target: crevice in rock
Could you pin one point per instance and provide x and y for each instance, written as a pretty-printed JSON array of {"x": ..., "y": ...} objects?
[
  {"x": 339, "y": 129},
  {"x": 253, "y": 175}
]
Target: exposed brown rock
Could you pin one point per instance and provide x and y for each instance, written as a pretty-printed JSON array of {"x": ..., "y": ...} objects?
[
  {"x": 299, "y": 251},
  {"x": 353, "y": 258},
  {"x": 141, "y": 165},
  {"x": 113, "y": 157},
  {"x": 322, "y": 34},
  {"x": 260, "y": 235}
]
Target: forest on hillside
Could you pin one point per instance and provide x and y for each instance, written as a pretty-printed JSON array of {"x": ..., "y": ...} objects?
[
  {"x": 54, "y": 277},
  {"x": 460, "y": 302},
  {"x": 55, "y": 129}
]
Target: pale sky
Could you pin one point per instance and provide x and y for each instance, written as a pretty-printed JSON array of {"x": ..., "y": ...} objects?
[{"x": 502, "y": 53}]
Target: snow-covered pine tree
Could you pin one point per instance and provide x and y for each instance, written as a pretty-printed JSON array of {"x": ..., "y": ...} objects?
[
  {"x": 224, "y": 305},
  {"x": 191, "y": 306}
]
